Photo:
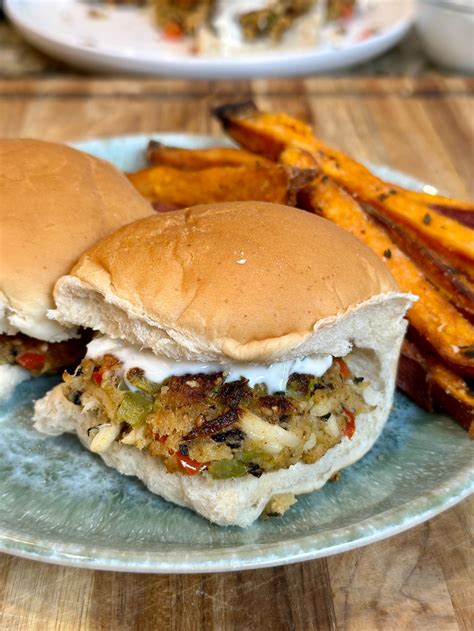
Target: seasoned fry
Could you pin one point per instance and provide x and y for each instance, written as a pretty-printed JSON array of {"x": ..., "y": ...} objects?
[
  {"x": 447, "y": 236},
  {"x": 452, "y": 395},
  {"x": 462, "y": 215},
  {"x": 294, "y": 156},
  {"x": 456, "y": 287},
  {"x": 434, "y": 387},
  {"x": 461, "y": 211},
  {"x": 437, "y": 200},
  {"x": 195, "y": 159},
  {"x": 455, "y": 208},
  {"x": 263, "y": 133},
  {"x": 171, "y": 187},
  {"x": 271, "y": 134},
  {"x": 437, "y": 321}
]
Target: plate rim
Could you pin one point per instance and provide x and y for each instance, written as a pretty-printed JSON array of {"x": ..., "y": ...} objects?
[
  {"x": 237, "y": 67},
  {"x": 70, "y": 554},
  {"x": 256, "y": 556}
]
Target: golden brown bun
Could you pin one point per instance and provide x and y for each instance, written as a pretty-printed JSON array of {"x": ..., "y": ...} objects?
[
  {"x": 248, "y": 280},
  {"x": 55, "y": 203}
]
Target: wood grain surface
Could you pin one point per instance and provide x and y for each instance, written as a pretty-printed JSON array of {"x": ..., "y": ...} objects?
[{"x": 420, "y": 579}]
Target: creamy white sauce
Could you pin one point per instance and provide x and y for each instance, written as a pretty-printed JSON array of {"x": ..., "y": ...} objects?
[
  {"x": 157, "y": 369},
  {"x": 226, "y": 37},
  {"x": 226, "y": 19},
  {"x": 34, "y": 323},
  {"x": 10, "y": 377}
]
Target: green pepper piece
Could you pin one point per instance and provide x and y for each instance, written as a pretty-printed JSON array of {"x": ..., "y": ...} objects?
[
  {"x": 137, "y": 378},
  {"x": 250, "y": 456},
  {"x": 302, "y": 386},
  {"x": 134, "y": 408},
  {"x": 260, "y": 390},
  {"x": 257, "y": 457},
  {"x": 228, "y": 468}
]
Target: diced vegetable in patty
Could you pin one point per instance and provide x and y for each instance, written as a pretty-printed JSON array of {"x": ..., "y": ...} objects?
[
  {"x": 198, "y": 423},
  {"x": 39, "y": 357}
]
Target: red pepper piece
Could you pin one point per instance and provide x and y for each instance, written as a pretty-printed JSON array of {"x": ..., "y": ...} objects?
[
  {"x": 343, "y": 368},
  {"x": 350, "y": 427},
  {"x": 190, "y": 466},
  {"x": 160, "y": 439},
  {"x": 97, "y": 377},
  {"x": 31, "y": 361}
]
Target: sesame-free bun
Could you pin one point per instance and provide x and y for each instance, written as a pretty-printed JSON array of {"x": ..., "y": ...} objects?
[
  {"x": 55, "y": 203},
  {"x": 250, "y": 281}
]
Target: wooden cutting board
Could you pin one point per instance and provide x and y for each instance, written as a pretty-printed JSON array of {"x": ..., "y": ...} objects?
[{"x": 416, "y": 580}]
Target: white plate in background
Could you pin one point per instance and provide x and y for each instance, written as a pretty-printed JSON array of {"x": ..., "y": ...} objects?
[{"x": 126, "y": 40}]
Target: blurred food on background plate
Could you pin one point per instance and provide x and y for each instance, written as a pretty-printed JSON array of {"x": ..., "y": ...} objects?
[
  {"x": 220, "y": 26},
  {"x": 213, "y": 39}
]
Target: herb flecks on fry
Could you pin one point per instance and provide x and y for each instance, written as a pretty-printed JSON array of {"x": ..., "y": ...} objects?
[
  {"x": 454, "y": 286},
  {"x": 435, "y": 319},
  {"x": 454, "y": 208}
]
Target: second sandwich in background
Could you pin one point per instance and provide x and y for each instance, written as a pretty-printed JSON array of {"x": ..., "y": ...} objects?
[
  {"x": 55, "y": 202},
  {"x": 248, "y": 353}
]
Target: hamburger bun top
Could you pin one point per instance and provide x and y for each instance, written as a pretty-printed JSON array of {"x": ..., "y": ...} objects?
[
  {"x": 246, "y": 280},
  {"x": 55, "y": 203}
]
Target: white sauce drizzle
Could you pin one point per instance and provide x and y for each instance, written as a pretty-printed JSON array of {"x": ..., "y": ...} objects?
[
  {"x": 226, "y": 19},
  {"x": 225, "y": 36},
  {"x": 157, "y": 369}
]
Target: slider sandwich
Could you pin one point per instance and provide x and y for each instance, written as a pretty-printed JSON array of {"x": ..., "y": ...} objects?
[
  {"x": 245, "y": 353},
  {"x": 55, "y": 202}
]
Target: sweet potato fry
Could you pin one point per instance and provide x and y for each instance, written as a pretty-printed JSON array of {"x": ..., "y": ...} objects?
[
  {"x": 437, "y": 200},
  {"x": 455, "y": 287},
  {"x": 462, "y": 215},
  {"x": 296, "y": 157},
  {"x": 271, "y": 134},
  {"x": 171, "y": 187},
  {"x": 455, "y": 208},
  {"x": 434, "y": 387},
  {"x": 195, "y": 159},
  {"x": 436, "y": 321},
  {"x": 264, "y": 133},
  {"x": 451, "y": 394}
]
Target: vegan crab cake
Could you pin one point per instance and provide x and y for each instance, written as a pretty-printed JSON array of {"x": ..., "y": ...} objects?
[
  {"x": 244, "y": 353},
  {"x": 199, "y": 422}
]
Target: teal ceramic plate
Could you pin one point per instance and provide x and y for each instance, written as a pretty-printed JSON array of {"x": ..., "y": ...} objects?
[{"x": 61, "y": 504}]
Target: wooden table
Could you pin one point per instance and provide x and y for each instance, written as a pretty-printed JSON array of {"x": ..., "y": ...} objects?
[{"x": 416, "y": 580}]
